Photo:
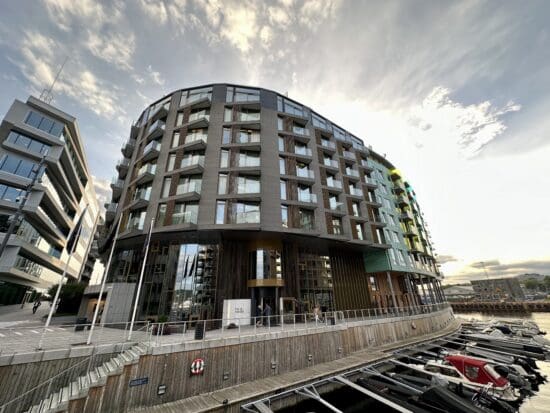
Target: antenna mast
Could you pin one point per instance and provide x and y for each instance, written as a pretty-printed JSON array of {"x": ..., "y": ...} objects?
[{"x": 47, "y": 94}]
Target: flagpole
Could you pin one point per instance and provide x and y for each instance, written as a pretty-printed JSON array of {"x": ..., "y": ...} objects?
[
  {"x": 141, "y": 279},
  {"x": 105, "y": 273},
  {"x": 73, "y": 248}
]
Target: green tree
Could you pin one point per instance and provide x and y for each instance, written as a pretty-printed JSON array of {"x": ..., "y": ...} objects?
[
  {"x": 70, "y": 297},
  {"x": 532, "y": 284}
]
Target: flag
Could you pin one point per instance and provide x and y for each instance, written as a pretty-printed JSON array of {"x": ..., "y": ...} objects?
[{"x": 75, "y": 233}]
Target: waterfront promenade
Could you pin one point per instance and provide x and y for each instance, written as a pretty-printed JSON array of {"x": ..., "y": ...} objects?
[{"x": 509, "y": 307}]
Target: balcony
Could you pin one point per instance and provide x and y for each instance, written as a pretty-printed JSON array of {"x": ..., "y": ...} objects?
[
  {"x": 189, "y": 190},
  {"x": 406, "y": 216},
  {"x": 116, "y": 186},
  {"x": 192, "y": 165},
  {"x": 333, "y": 183},
  {"x": 370, "y": 182},
  {"x": 398, "y": 189},
  {"x": 247, "y": 116},
  {"x": 198, "y": 119},
  {"x": 156, "y": 130},
  {"x": 374, "y": 201},
  {"x": 410, "y": 231},
  {"x": 356, "y": 192},
  {"x": 198, "y": 101},
  {"x": 110, "y": 212},
  {"x": 300, "y": 130},
  {"x": 185, "y": 218},
  {"x": 395, "y": 175},
  {"x": 337, "y": 207},
  {"x": 364, "y": 164},
  {"x": 303, "y": 153},
  {"x": 305, "y": 173},
  {"x": 352, "y": 172},
  {"x": 128, "y": 148},
  {"x": 160, "y": 112},
  {"x": 122, "y": 167},
  {"x": 151, "y": 151},
  {"x": 146, "y": 173},
  {"x": 307, "y": 197},
  {"x": 377, "y": 221},
  {"x": 248, "y": 217},
  {"x": 141, "y": 198},
  {"x": 402, "y": 202},
  {"x": 330, "y": 163},
  {"x": 349, "y": 155},
  {"x": 328, "y": 145},
  {"x": 195, "y": 142}
]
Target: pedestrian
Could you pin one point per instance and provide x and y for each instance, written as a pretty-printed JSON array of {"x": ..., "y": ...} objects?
[
  {"x": 36, "y": 304},
  {"x": 259, "y": 312},
  {"x": 316, "y": 313},
  {"x": 267, "y": 314}
]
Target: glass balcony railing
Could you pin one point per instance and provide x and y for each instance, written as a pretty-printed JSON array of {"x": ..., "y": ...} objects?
[
  {"x": 248, "y": 217},
  {"x": 185, "y": 217},
  {"x": 328, "y": 144},
  {"x": 152, "y": 146},
  {"x": 299, "y": 150},
  {"x": 28, "y": 266},
  {"x": 147, "y": 168},
  {"x": 156, "y": 125},
  {"x": 300, "y": 130},
  {"x": 112, "y": 207},
  {"x": 201, "y": 114},
  {"x": 195, "y": 97},
  {"x": 143, "y": 194},
  {"x": 117, "y": 183},
  {"x": 307, "y": 197},
  {"x": 352, "y": 172},
  {"x": 356, "y": 191},
  {"x": 337, "y": 206},
  {"x": 331, "y": 162},
  {"x": 249, "y": 162},
  {"x": 247, "y": 116},
  {"x": 193, "y": 186},
  {"x": 369, "y": 181},
  {"x": 348, "y": 155},
  {"x": 123, "y": 163},
  {"x": 195, "y": 137},
  {"x": 192, "y": 161},
  {"x": 305, "y": 173},
  {"x": 365, "y": 163},
  {"x": 333, "y": 183}
]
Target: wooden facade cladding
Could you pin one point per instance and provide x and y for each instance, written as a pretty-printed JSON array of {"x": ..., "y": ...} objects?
[{"x": 350, "y": 281}]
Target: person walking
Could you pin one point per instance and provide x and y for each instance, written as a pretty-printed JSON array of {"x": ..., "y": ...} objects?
[
  {"x": 36, "y": 304},
  {"x": 267, "y": 314},
  {"x": 317, "y": 313},
  {"x": 259, "y": 312}
]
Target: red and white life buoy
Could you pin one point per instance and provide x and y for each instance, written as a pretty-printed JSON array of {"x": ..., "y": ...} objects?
[{"x": 197, "y": 367}]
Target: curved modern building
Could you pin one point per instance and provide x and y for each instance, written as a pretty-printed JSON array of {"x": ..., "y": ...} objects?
[{"x": 256, "y": 196}]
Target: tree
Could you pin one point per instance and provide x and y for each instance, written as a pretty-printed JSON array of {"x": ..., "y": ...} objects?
[
  {"x": 70, "y": 297},
  {"x": 532, "y": 284}
]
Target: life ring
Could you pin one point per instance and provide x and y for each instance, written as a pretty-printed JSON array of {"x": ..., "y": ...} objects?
[
  {"x": 413, "y": 325},
  {"x": 197, "y": 367}
]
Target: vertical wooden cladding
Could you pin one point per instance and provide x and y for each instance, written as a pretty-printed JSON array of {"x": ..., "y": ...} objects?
[
  {"x": 328, "y": 220},
  {"x": 232, "y": 272},
  {"x": 351, "y": 290},
  {"x": 289, "y": 257}
]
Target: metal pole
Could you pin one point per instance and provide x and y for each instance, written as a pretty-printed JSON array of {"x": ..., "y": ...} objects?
[
  {"x": 88, "y": 248},
  {"x": 391, "y": 289},
  {"x": 141, "y": 279},
  {"x": 105, "y": 272},
  {"x": 15, "y": 220}
]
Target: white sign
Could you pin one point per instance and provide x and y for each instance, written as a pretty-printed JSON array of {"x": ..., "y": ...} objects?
[{"x": 236, "y": 312}]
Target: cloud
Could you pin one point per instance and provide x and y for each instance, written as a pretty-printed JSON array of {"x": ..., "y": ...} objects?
[
  {"x": 68, "y": 14},
  {"x": 495, "y": 269},
  {"x": 155, "y": 9},
  {"x": 115, "y": 48},
  {"x": 155, "y": 76},
  {"x": 443, "y": 259},
  {"x": 103, "y": 191}
]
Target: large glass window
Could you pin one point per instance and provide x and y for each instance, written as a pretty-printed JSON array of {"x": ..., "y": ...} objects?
[
  {"x": 224, "y": 158},
  {"x": 241, "y": 94},
  {"x": 248, "y": 115},
  {"x": 282, "y": 166},
  {"x": 337, "y": 226},
  {"x": 189, "y": 184},
  {"x": 185, "y": 213},
  {"x": 196, "y": 135},
  {"x": 248, "y": 185},
  {"x": 190, "y": 96},
  {"x": 307, "y": 219},
  {"x": 285, "y": 105},
  {"x": 28, "y": 143},
  {"x": 220, "y": 212},
  {"x": 228, "y": 115},
  {"x": 248, "y": 136},
  {"x": 39, "y": 121},
  {"x": 283, "y": 189},
  {"x": 171, "y": 162},
  {"x": 15, "y": 165},
  {"x": 249, "y": 159},
  {"x": 226, "y": 135},
  {"x": 176, "y": 140},
  {"x": 222, "y": 184},
  {"x": 10, "y": 193},
  {"x": 161, "y": 215},
  {"x": 281, "y": 141},
  {"x": 193, "y": 158},
  {"x": 179, "y": 119},
  {"x": 359, "y": 230},
  {"x": 284, "y": 216},
  {"x": 247, "y": 213},
  {"x": 166, "y": 187}
]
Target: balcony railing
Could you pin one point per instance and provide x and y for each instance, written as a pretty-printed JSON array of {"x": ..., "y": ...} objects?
[
  {"x": 330, "y": 162},
  {"x": 348, "y": 155},
  {"x": 199, "y": 115},
  {"x": 147, "y": 168},
  {"x": 328, "y": 144},
  {"x": 356, "y": 191},
  {"x": 370, "y": 181},
  {"x": 152, "y": 146},
  {"x": 249, "y": 217},
  {"x": 143, "y": 194},
  {"x": 305, "y": 173},
  {"x": 352, "y": 172},
  {"x": 156, "y": 125},
  {"x": 247, "y": 117},
  {"x": 193, "y": 186},
  {"x": 333, "y": 183},
  {"x": 307, "y": 197},
  {"x": 186, "y": 217},
  {"x": 192, "y": 160},
  {"x": 302, "y": 151},
  {"x": 299, "y": 130}
]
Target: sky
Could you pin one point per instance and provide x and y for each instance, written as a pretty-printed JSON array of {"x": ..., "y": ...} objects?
[{"x": 456, "y": 94}]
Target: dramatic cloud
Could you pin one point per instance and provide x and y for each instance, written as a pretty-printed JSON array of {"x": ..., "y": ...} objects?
[
  {"x": 103, "y": 191},
  {"x": 475, "y": 271}
]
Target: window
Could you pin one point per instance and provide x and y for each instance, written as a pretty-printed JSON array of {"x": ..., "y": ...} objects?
[
  {"x": 161, "y": 215},
  {"x": 166, "y": 187},
  {"x": 193, "y": 158},
  {"x": 333, "y": 202},
  {"x": 359, "y": 230},
  {"x": 222, "y": 184},
  {"x": 241, "y": 94},
  {"x": 301, "y": 149},
  {"x": 249, "y": 159},
  {"x": 10, "y": 193},
  {"x": 401, "y": 257},
  {"x": 248, "y": 185},
  {"x": 356, "y": 209},
  {"x": 38, "y": 121},
  {"x": 143, "y": 192},
  {"x": 394, "y": 236},
  {"x": 248, "y": 136},
  {"x": 190, "y": 96},
  {"x": 280, "y": 123},
  {"x": 136, "y": 220},
  {"x": 176, "y": 140},
  {"x": 220, "y": 212},
  {"x": 283, "y": 189},
  {"x": 281, "y": 144},
  {"x": 17, "y": 166},
  {"x": 228, "y": 115},
  {"x": 299, "y": 129},
  {"x": 285, "y": 105},
  {"x": 224, "y": 158},
  {"x": 320, "y": 122},
  {"x": 248, "y": 115},
  {"x": 226, "y": 135},
  {"x": 284, "y": 216},
  {"x": 337, "y": 226},
  {"x": 307, "y": 219},
  {"x": 28, "y": 143},
  {"x": 196, "y": 135},
  {"x": 373, "y": 283},
  {"x": 282, "y": 167},
  {"x": 171, "y": 162},
  {"x": 179, "y": 119},
  {"x": 247, "y": 213},
  {"x": 188, "y": 184},
  {"x": 198, "y": 114},
  {"x": 185, "y": 213}
]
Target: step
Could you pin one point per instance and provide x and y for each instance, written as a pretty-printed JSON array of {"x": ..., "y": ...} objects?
[
  {"x": 133, "y": 354},
  {"x": 93, "y": 378},
  {"x": 75, "y": 390},
  {"x": 84, "y": 382}
]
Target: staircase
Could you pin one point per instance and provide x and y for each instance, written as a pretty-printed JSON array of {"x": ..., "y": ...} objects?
[{"x": 78, "y": 389}]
